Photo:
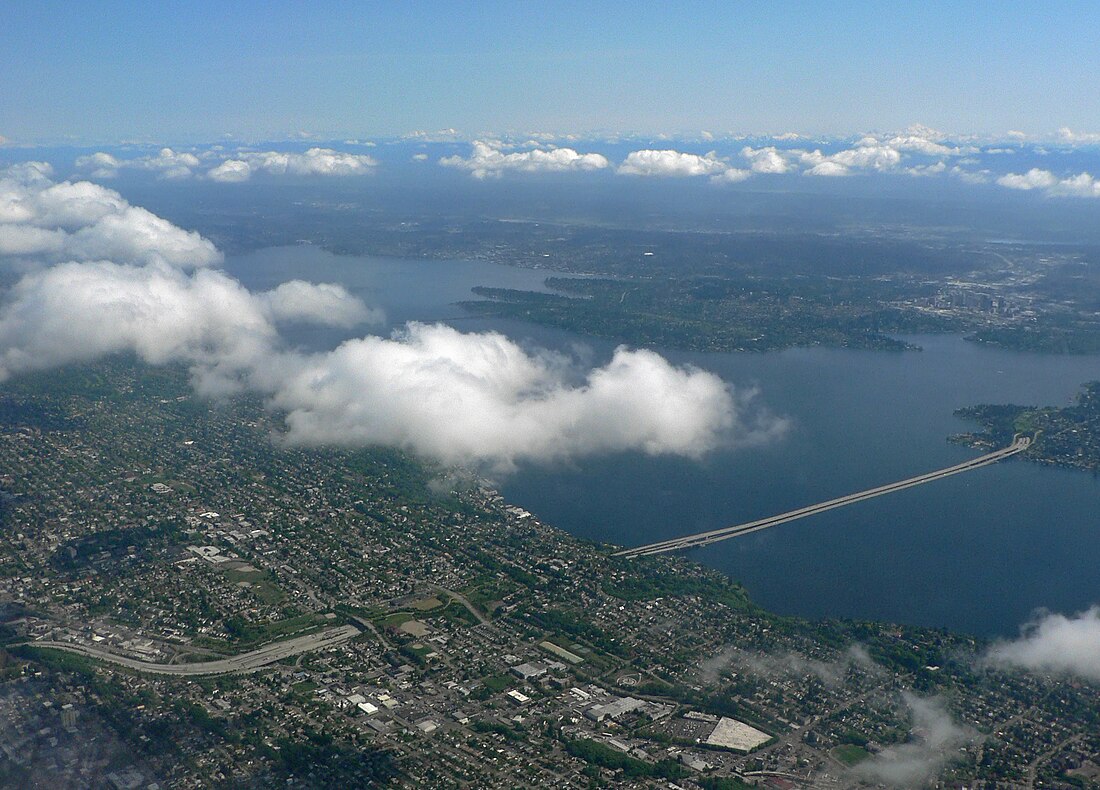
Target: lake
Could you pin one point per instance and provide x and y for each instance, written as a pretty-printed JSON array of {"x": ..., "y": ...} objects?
[{"x": 978, "y": 552}]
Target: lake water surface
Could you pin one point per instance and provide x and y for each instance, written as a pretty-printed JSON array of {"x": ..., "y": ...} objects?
[{"x": 978, "y": 552}]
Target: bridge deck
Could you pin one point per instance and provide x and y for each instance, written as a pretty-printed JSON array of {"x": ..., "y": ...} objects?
[{"x": 1019, "y": 444}]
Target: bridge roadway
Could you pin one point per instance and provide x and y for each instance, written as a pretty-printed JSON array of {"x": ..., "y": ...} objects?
[
  {"x": 234, "y": 665},
  {"x": 1019, "y": 444}
]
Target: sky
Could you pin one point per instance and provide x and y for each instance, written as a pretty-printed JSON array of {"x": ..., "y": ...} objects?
[{"x": 198, "y": 71}]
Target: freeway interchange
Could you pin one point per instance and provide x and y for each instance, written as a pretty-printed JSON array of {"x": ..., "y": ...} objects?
[
  {"x": 234, "y": 665},
  {"x": 1019, "y": 444}
]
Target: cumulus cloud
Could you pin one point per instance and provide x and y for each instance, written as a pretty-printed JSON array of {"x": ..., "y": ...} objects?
[
  {"x": 83, "y": 221},
  {"x": 81, "y": 311},
  {"x": 878, "y": 153},
  {"x": 766, "y": 160},
  {"x": 732, "y": 175},
  {"x": 1067, "y": 135},
  {"x": 314, "y": 162},
  {"x": 1080, "y": 185},
  {"x": 470, "y": 398},
  {"x": 231, "y": 171},
  {"x": 241, "y": 166},
  {"x": 867, "y": 155},
  {"x": 480, "y": 398},
  {"x": 927, "y": 170},
  {"x": 299, "y": 301},
  {"x": 166, "y": 163},
  {"x": 1055, "y": 643},
  {"x": 671, "y": 163},
  {"x": 488, "y": 159},
  {"x": 1032, "y": 179},
  {"x": 933, "y": 739},
  {"x": 101, "y": 164},
  {"x": 132, "y": 281}
]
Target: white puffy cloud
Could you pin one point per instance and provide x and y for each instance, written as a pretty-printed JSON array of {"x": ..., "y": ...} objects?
[
  {"x": 1080, "y": 185},
  {"x": 670, "y": 163},
  {"x": 471, "y": 398},
  {"x": 867, "y": 155},
  {"x": 25, "y": 240},
  {"x": 488, "y": 159},
  {"x": 241, "y": 166},
  {"x": 81, "y": 311},
  {"x": 170, "y": 164},
  {"x": 766, "y": 160},
  {"x": 327, "y": 303},
  {"x": 880, "y": 153},
  {"x": 85, "y": 221},
  {"x": 732, "y": 175},
  {"x": 1055, "y": 643},
  {"x": 230, "y": 171},
  {"x": 1032, "y": 179},
  {"x": 314, "y": 162},
  {"x": 922, "y": 140},
  {"x": 970, "y": 176},
  {"x": 102, "y": 164},
  {"x": 166, "y": 163},
  {"x": 1067, "y": 135},
  {"x": 927, "y": 170},
  {"x": 915, "y": 763},
  {"x": 480, "y": 398}
]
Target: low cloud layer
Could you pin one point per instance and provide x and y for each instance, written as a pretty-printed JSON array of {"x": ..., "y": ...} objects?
[
  {"x": 481, "y": 398},
  {"x": 933, "y": 739},
  {"x": 668, "y": 163},
  {"x": 831, "y": 673},
  {"x": 139, "y": 286},
  {"x": 915, "y": 152},
  {"x": 671, "y": 163},
  {"x": 166, "y": 163},
  {"x": 1080, "y": 185},
  {"x": 489, "y": 160},
  {"x": 82, "y": 221},
  {"x": 314, "y": 162},
  {"x": 1072, "y": 138},
  {"x": 1054, "y": 643},
  {"x": 240, "y": 166}
]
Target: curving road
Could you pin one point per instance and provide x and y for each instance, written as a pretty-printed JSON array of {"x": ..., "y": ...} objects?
[
  {"x": 245, "y": 662},
  {"x": 1019, "y": 444}
]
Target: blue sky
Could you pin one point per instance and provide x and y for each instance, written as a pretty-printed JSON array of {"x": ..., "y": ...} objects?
[{"x": 194, "y": 71}]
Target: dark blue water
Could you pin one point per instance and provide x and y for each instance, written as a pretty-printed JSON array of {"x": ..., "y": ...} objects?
[{"x": 978, "y": 552}]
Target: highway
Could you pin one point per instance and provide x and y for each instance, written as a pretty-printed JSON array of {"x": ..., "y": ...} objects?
[
  {"x": 245, "y": 662},
  {"x": 1019, "y": 444}
]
